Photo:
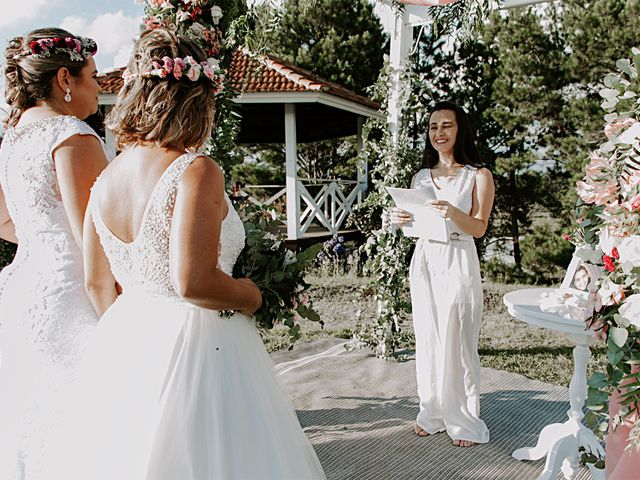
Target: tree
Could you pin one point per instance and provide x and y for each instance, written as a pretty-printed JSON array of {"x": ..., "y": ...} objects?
[{"x": 340, "y": 40}]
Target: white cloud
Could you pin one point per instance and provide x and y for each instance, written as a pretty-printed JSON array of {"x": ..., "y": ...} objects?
[
  {"x": 15, "y": 12},
  {"x": 113, "y": 32}
]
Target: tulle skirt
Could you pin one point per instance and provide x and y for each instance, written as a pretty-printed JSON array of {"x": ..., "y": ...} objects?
[{"x": 172, "y": 391}]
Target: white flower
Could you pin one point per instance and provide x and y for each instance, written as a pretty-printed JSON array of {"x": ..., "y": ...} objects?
[
  {"x": 629, "y": 250},
  {"x": 216, "y": 14},
  {"x": 215, "y": 63},
  {"x": 609, "y": 294},
  {"x": 630, "y": 310},
  {"x": 289, "y": 258},
  {"x": 607, "y": 241},
  {"x": 166, "y": 4},
  {"x": 182, "y": 16},
  {"x": 588, "y": 254},
  {"x": 197, "y": 29}
]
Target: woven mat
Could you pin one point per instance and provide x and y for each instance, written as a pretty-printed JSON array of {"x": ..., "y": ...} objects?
[{"x": 359, "y": 411}]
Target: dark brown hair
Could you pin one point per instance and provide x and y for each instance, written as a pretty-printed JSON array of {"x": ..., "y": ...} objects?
[
  {"x": 465, "y": 151},
  {"x": 165, "y": 111},
  {"x": 29, "y": 78}
]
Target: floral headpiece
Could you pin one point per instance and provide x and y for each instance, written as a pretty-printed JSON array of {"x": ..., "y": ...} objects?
[
  {"x": 78, "y": 48},
  {"x": 186, "y": 68}
]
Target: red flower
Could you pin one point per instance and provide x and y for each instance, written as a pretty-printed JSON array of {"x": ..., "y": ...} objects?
[
  {"x": 566, "y": 236},
  {"x": 608, "y": 263},
  {"x": 35, "y": 47},
  {"x": 615, "y": 254}
]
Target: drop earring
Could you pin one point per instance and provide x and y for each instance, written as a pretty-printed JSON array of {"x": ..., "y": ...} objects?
[{"x": 67, "y": 97}]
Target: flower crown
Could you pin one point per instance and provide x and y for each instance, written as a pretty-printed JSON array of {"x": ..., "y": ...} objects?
[
  {"x": 78, "y": 48},
  {"x": 182, "y": 68}
]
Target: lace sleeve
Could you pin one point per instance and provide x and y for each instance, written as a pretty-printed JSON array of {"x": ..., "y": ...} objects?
[{"x": 69, "y": 126}]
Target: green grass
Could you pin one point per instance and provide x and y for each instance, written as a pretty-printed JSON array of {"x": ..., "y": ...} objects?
[{"x": 505, "y": 343}]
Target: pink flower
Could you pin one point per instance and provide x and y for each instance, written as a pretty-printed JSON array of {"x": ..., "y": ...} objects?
[
  {"x": 566, "y": 236},
  {"x": 155, "y": 3},
  {"x": 167, "y": 64},
  {"x": 599, "y": 330},
  {"x": 597, "y": 164},
  {"x": 178, "y": 66},
  {"x": 598, "y": 192},
  {"x": 194, "y": 72},
  {"x": 616, "y": 127},
  {"x": 634, "y": 203}
]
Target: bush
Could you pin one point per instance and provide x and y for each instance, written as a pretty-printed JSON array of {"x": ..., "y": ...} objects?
[
  {"x": 545, "y": 254},
  {"x": 498, "y": 271},
  {"x": 367, "y": 216}
]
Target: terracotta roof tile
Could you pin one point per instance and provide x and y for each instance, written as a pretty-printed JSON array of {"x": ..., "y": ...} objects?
[{"x": 261, "y": 74}]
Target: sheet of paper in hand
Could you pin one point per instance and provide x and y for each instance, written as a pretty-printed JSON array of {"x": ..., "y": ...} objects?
[{"x": 426, "y": 222}]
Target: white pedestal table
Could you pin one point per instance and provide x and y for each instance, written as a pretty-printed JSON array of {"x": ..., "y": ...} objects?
[{"x": 559, "y": 441}]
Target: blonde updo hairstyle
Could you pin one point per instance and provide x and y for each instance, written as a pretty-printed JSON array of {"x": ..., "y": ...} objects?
[
  {"x": 164, "y": 111},
  {"x": 29, "y": 78}
]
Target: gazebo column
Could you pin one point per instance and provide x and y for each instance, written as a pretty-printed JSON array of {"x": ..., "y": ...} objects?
[
  {"x": 401, "y": 39},
  {"x": 291, "y": 155},
  {"x": 363, "y": 168}
]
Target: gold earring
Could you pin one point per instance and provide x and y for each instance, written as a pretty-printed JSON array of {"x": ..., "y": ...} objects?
[{"x": 67, "y": 97}]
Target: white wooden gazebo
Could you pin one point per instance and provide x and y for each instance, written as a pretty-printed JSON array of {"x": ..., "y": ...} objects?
[{"x": 282, "y": 103}]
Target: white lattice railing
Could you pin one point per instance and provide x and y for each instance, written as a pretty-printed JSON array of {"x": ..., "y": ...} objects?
[{"x": 323, "y": 203}]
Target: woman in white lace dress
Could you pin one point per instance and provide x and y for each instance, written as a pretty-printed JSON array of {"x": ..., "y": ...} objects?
[
  {"x": 48, "y": 161},
  {"x": 170, "y": 389},
  {"x": 446, "y": 289}
]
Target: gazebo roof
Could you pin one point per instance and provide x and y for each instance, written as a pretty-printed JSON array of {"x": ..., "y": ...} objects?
[{"x": 324, "y": 109}]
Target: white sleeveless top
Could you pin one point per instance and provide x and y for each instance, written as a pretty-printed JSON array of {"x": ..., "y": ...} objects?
[{"x": 458, "y": 191}]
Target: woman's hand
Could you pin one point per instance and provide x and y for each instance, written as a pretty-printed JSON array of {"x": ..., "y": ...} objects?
[
  {"x": 400, "y": 217},
  {"x": 444, "y": 208},
  {"x": 254, "y": 297}
]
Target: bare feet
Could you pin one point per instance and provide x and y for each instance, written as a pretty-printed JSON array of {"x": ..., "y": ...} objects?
[
  {"x": 463, "y": 443},
  {"x": 420, "y": 431}
]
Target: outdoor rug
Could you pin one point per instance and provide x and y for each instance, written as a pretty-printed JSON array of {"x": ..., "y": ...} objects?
[{"x": 359, "y": 413}]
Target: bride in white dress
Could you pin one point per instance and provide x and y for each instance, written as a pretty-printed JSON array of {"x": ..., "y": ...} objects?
[
  {"x": 170, "y": 389},
  {"x": 48, "y": 161}
]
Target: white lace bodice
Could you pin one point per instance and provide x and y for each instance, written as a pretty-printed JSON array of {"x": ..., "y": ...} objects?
[
  {"x": 458, "y": 191},
  {"x": 143, "y": 265},
  {"x": 29, "y": 182}
]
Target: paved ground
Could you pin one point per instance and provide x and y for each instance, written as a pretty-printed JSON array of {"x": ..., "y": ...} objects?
[{"x": 358, "y": 412}]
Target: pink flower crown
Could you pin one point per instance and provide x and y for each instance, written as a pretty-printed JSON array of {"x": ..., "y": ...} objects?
[
  {"x": 78, "y": 48},
  {"x": 182, "y": 68}
]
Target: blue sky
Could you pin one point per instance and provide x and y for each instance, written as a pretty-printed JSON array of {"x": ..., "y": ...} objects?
[{"x": 114, "y": 24}]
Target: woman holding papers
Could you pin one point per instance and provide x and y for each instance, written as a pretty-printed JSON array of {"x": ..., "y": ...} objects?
[{"x": 446, "y": 290}]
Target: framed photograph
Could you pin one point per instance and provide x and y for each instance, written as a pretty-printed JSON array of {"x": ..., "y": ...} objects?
[{"x": 581, "y": 277}]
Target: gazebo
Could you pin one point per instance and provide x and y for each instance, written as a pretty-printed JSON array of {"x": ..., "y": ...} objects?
[{"x": 282, "y": 103}]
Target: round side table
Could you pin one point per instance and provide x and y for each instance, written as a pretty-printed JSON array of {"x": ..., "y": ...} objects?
[{"x": 559, "y": 442}]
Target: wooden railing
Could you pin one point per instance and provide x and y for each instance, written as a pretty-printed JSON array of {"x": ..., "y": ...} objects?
[{"x": 322, "y": 203}]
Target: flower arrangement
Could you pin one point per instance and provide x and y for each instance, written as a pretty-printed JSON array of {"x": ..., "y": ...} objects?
[
  {"x": 187, "y": 68},
  {"x": 608, "y": 236},
  {"x": 276, "y": 270},
  {"x": 78, "y": 48}
]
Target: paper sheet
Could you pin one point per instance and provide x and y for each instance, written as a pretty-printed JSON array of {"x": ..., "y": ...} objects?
[{"x": 426, "y": 222}]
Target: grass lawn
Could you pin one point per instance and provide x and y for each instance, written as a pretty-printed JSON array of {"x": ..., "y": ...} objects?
[{"x": 505, "y": 343}]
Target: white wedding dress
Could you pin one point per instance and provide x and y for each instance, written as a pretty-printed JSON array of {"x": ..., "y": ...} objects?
[
  {"x": 45, "y": 314},
  {"x": 171, "y": 391}
]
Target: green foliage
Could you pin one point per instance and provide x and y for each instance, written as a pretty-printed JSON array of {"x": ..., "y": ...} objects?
[
  {"x": 340, "y": 40},
  {"x": 257, "y": 173},
  {"x": 546, "y": 254},
  {"x": 277, "y": 271}
]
